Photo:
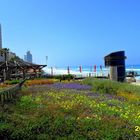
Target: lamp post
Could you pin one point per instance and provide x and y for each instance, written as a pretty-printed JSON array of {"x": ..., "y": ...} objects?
[{"x": 46, "y": 60}]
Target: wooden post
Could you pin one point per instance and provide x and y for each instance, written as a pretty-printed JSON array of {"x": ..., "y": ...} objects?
[
  {"x": 68, "y": 69},
  {"x": 2, "y": 98},
  {"x": 35, "y": 72},
  {"x": 101, "y": 74},
  {"x": 10, "y": 95},
  {"x": 4, "y": 74},
  {"x": 23, "y": 73},
  {"x": 95, "y": 70},
  {"x": 39, "y": 72},
  {"x": 6, "y": 96},
  {"x": 80, "y": 69}
]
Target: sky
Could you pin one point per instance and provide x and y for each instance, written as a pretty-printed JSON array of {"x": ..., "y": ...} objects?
[{"x": 71, "y": 32}]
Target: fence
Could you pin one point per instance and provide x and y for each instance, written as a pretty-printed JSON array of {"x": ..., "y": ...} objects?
[
  {"x": 79, "y": 72},
  {"x": 10, "y": 93}
]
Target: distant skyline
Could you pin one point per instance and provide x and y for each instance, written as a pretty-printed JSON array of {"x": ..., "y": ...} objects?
[
  {"x": 71, "y": 32},
  {"x": 28, "y": 57}
]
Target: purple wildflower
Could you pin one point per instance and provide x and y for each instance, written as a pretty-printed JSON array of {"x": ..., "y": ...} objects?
[{"x": 70, "y": 86}]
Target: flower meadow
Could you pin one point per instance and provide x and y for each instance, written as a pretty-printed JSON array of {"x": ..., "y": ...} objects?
[{"x": 73, "y": 111}]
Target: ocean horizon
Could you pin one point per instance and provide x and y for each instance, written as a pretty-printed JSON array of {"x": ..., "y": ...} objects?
[{"x": 86, "y": 71}]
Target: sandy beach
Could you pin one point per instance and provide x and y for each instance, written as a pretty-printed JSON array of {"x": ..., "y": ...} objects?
[{"x": 136, "y": 83}]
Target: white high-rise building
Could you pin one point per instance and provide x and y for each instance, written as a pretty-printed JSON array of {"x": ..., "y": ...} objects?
[
  {"x": 0, "y": 38},
  {"x": 5, "y": 53},
  {"x": 28, "y": 57}
]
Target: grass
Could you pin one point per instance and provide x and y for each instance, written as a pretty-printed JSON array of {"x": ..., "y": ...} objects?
[
  {"x": 48, "y": 112},
  {"x": 126, "y": 90}
]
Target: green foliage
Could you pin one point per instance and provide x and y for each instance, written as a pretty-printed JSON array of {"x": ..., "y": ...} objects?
[
  {"x": 111, "y": 87},
  {"x": 15, "y": 58},
  {"x": 71, "y": 115},
  {"x": 62, "y": 77},
  {"x": 12, "y": 82},
  {"x": 27, "y": 102},
  {"x": 5, "y": 130},
  {"x": 66, "y": 77}
]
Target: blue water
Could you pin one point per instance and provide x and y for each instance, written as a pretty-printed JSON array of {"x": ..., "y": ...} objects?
[
  {"x": 105, "y": 70},
  {"x": 91, "y": 68}
]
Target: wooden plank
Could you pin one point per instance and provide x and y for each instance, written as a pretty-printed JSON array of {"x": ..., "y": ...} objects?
[{"x": 10, "y": 93}]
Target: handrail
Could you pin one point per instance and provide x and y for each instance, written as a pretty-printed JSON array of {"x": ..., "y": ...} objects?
[{"x": 10, "y": 93}]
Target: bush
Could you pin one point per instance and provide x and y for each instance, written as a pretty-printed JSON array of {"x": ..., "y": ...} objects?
[
  {"x": 39, "y": 82},
  {"x": 66, "y": 77},
  {"x": 111, "y": 87},
  {"x": 5, "y": 130},
  {"x": 61, "y": 77},
  {"x": 12, "y": 82},
  {"x": 103, "y": 86},
  {"x": 27, "y": 103}
]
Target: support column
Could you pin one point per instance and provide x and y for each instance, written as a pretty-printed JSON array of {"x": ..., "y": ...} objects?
[
  {"x": 23, "y": 73},
  {"x": 35, "y": 73},
  {"x": 39, "y": 73},
  {"x": 4, "y": 74},
  {"x": 113, "y": 73}
]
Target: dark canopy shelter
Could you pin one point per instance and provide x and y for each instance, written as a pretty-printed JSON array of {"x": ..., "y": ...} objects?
[
  {"x": 116, "y": 62},
  {"x": 19, "y": 68}
]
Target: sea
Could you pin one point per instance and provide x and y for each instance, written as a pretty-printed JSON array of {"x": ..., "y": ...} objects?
[{"x": 86, "y": 71}]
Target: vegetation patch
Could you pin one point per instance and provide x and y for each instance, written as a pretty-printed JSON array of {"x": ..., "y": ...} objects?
[
  {"x": 39, "y": 82},
  {"x": 11, "y": 82},
  {"x": 75, "y": 112},
  {"x": 61, "y": 77},
  {"x": 130, "y": 92}
]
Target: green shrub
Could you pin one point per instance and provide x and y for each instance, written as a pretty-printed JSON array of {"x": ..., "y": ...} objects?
[
  {"x": 66, "y": 77},
  {"x": 12, "y": 82},
  {"x": 63, "y": 115},
  {"x": 27, "y": 102},
  {"x": 102, "y": 86},
  {"x": 5, "y": 130},
  {"x": 111, "y": 87},
  {"x": 61, "y": 77}
]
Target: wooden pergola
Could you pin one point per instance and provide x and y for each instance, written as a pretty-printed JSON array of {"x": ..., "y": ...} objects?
[{"x": 19, "y": 69}]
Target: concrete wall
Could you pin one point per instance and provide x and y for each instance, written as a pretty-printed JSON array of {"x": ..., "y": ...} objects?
[{"x": 113, "y": 73}]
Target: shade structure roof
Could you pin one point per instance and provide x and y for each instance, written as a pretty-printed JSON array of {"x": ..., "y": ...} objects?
[
  {"x": 19, "y": 64},
  {"x": 115, "y": 58}
]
